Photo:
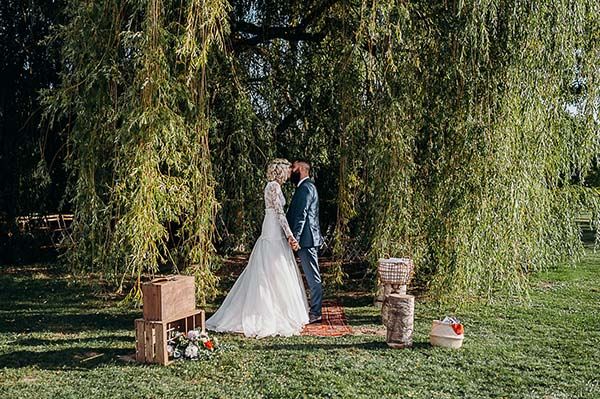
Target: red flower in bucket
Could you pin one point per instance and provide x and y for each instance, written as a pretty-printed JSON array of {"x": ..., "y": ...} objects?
[
  {"x": 458, "y": 328},
  {"x": 209, "y": 345}
]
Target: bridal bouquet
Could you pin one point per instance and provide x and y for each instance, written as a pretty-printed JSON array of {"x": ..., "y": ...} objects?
[{"x": 193, "y": 346}]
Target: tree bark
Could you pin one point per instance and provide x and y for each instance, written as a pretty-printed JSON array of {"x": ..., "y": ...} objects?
[{"x": 400, "y": 320}]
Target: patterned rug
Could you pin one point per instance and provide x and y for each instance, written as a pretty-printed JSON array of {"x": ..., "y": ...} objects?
[{"x": 333, "y": 324}]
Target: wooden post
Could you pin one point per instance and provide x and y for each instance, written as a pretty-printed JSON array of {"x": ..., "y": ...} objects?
[{"x": 400, "y": 320}]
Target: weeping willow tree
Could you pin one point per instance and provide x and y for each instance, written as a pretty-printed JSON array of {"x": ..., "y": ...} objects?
[
  {"x": 134, "y": 87},
  {"x": 477, "y": 150},
  {"x": 442, "y": 130}
]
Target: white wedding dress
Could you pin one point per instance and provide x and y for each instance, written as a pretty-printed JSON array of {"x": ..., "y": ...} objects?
[{"x": 268, "y": 298}]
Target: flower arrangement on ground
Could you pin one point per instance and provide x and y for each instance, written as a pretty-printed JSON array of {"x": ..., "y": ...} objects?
[{"x": 194, "y": 345}]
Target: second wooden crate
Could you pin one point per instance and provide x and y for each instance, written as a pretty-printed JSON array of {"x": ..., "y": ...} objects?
[{"x": 167, "y": 298}]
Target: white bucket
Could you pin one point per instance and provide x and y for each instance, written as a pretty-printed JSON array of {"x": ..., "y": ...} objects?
[{"x": 442, "y": 334}]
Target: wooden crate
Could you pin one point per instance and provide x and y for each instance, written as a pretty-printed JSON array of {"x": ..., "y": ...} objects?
[
  {"x": 152, "y": 337},
  {"x": 169, "y": 298}
]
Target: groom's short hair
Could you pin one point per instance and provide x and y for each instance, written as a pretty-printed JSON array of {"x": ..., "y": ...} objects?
[{"x": 303, "y": 164}]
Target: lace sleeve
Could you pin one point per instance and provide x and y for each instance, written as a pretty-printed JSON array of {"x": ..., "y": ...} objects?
[{"x": 273, "y": 201}]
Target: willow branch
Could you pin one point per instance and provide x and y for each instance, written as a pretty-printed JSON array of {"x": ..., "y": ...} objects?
[{"x": 261, "y": 34}]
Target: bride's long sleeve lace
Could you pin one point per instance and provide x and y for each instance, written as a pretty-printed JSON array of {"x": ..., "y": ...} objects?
[{"x": 274, "y": 199}]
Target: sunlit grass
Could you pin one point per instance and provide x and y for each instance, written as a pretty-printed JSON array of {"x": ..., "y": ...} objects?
[{"x": 60, "y": 339}]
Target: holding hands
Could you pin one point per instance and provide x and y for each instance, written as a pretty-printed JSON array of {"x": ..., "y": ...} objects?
[{"x": 293, "y": 243}]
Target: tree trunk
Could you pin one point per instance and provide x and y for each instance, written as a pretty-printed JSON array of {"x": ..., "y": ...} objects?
[{"x": 400, "y": 320}]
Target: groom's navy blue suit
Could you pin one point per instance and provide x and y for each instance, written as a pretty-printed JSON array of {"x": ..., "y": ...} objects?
[{"x": 303, "y": 218}]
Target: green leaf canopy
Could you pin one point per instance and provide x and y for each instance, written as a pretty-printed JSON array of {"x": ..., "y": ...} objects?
[{"x": 459, "y": 133}]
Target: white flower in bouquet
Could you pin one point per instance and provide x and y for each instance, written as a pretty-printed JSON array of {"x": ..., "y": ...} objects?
[
  {"x": 191, "y": 351},
  {"x": 193, "y": 335},
  {"x": 170, "y": 349}
]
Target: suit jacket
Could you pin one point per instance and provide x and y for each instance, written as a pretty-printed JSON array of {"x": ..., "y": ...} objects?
[{"x": 303, "y": 215}]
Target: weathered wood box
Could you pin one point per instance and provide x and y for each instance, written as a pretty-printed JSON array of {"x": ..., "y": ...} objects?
[
  {"x": 152, "y": 337},
  {"x": 169, "y": 298}
]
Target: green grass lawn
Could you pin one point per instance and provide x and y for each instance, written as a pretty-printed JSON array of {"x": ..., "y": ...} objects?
[{"x": 548, "y": 347}]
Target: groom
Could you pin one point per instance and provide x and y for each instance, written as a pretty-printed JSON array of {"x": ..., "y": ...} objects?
[{"x": 303, "y": 218}]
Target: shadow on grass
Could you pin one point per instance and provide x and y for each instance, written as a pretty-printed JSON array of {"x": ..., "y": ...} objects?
[
  {"x": 67, "y": 341},
  {"x": 354, "y": 300},
  {"x": 364, "y": 320},
  {"x": 65, "y": 323},
  {"x": 369, "y": 346},
  {"x": 57, "y": 305},
  {"x": 23, "y": 293},
  {"x": 69, "y": 359}
]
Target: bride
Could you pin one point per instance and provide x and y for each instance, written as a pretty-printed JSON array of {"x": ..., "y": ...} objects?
[{"x": 268, "y": 298}]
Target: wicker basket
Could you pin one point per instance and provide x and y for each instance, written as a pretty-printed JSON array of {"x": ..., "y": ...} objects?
[{"x": 396, "y": 271}]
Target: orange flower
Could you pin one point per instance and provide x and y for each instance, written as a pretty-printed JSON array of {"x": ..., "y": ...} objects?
[
  {"x": 209, "y": 345},
  {"x": 458, "y": 329}
]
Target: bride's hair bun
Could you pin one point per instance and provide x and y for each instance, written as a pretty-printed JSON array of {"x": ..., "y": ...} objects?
[{"x": 278, "y": 170}]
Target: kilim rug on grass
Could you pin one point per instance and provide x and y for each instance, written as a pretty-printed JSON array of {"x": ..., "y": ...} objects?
[{"x": 333, "y": 324}]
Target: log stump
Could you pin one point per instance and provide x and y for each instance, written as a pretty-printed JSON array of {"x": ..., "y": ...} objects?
[
  {"x": 387, "y": 291},
  {"x": 400, "y": 310},
  {"x": 383, "y": 290}
]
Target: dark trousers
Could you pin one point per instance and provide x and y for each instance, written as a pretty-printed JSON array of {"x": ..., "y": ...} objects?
[{"x": 310, "y": 264}]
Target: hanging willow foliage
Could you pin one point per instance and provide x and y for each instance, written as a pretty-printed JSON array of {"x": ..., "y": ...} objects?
[
  {"x": 444, "y": 131},
  {"x": 135, "y": 86},
  {"x": 478, "y": 148}
]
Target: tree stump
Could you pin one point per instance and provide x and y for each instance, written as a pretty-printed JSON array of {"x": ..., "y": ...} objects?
[
  {"x": 390, "y": 289},
  {"x": 383, "y": 290},
  {"x": 400, "y": 318}
]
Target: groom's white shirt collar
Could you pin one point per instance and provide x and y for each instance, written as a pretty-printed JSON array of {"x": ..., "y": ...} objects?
[{"x": 300, "y": 182}]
